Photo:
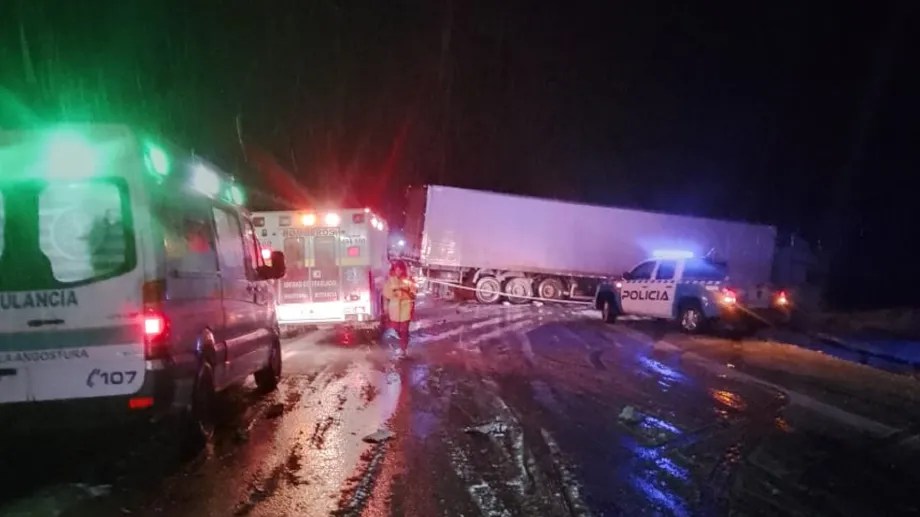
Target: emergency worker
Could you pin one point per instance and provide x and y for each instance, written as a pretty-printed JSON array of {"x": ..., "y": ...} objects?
[{"x": 400, "y": 292}]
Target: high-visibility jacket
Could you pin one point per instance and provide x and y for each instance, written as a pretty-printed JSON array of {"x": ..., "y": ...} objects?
[{"x": 400, "y": 295}]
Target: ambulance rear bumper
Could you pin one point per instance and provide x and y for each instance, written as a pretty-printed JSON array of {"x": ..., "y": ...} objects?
[{"x": 157, "y": 398}]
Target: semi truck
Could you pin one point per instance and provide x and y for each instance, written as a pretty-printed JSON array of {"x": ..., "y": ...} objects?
[{"x": 501, "y": 246}]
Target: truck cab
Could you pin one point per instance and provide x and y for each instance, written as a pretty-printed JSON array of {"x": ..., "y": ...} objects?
[{"x": 694, "y": 292}]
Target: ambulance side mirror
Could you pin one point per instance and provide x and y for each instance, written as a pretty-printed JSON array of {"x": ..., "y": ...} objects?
[
  {"x": 276, "y": 270},
  {"x": 279, "y": 266}
]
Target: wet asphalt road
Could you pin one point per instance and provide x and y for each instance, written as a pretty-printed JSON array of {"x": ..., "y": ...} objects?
[{"x": 513, "y": 411}]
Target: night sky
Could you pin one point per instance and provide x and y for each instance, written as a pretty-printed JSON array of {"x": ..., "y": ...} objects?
[{"x": 799, "y": 114}]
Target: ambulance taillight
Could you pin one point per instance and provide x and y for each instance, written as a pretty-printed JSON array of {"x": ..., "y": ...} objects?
[{"x": 155, "y": 324}]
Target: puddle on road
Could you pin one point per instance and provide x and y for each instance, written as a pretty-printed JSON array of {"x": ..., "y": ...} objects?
[
  {"x": 668, "y": 377},
  {"x": 728, "y": 399},
  {"x": 657, "y": 477},
  {"x": 424, "y": 424}
]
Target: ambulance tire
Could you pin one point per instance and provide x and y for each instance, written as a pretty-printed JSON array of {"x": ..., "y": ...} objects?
[
  {"x": 488, "y": 290},
  {"x": 197, "y": 424},
  {"x": 609, "y": 312},
  {"x": 267, "y": 378},
  {"x": 691, "y": 318}
]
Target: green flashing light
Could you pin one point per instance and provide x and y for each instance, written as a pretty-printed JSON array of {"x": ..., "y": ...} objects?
[
  {"x": 237, "y": 196},
  {"x": 205, "y": 180},
  {"x": 70, "y": 154},
  {"x": 157, "y": 160}
]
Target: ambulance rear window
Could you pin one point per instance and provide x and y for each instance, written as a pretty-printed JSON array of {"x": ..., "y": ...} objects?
[
  {"x": 294, "y": 252},
  {"x": 64, "y": 234},
  {"x": 324, "y": 252}
]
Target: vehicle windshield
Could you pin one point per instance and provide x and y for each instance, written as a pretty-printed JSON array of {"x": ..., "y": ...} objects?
[{"x": 63, "y": 234}]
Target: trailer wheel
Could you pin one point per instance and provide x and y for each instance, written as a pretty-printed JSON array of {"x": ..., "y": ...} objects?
[
  {"x": 550, "y": 288},
  {"x": 488, "y": 290},
  {"x": 519, "y": 290}
]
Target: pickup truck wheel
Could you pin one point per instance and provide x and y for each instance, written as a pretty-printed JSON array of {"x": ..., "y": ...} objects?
[
  {"x": 691, "y": 318},
  {"x": 488, "y": 290},
  {"x": 550, "y": 289},
  {"x": 608, "y": 312},
  {"x": 519, "y": 290},
  {"x": 268, "y": 377}
]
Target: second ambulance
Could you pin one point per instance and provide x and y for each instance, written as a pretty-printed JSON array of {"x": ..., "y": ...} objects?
[{"x": 336, "y": 265}]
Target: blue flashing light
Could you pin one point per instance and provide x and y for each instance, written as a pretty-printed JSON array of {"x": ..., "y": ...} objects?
[{"x": 672, "y": 254}]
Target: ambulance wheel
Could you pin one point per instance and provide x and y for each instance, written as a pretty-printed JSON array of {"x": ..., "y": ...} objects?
[
  {"x": 519, "y": 290},
  {"x": 267, "y": 378},
  {"x": 550, "y": 289},
  {"x": 488, "y": 290},
  {"x": 608, "y": 312},
  {"x": 199, "y": 422},
  {"x": 691, "y": 318}
]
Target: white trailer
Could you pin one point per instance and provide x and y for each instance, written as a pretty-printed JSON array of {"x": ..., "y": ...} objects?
[{"x": 504, "y": 244}]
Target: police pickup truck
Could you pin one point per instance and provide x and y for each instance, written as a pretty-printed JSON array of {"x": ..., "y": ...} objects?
[{"x": 692, "y": 291}]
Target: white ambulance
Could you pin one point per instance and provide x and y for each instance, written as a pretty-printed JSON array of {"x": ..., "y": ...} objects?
[
  {"x": 337, "y": 262},
  {"x": 131, "y": 281}
]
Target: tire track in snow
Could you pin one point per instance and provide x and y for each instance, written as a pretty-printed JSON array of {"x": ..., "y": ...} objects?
[
  {"x": 570, "y": 485},
  {"x": 482, "y": 494}
]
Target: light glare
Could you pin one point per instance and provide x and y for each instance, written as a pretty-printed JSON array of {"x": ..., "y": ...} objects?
[
  {"x": 71, "y": 154},
  {"x": 205, "y": 180},
  {"x": 237, "y": 196},
  {"x": 157, "y": 160},
  {"x": 672, "y": 254}
]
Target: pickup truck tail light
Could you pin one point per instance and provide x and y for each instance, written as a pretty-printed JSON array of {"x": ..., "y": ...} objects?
[
  {"x": 728, "y": 297},
  {"x": 782, "y": 300}
]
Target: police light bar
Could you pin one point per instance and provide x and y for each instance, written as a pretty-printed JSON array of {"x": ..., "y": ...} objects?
[{"x": 672, "y": 254}]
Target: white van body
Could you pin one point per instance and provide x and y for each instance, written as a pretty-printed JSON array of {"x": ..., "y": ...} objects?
[{"x": 125, "y": 271}]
